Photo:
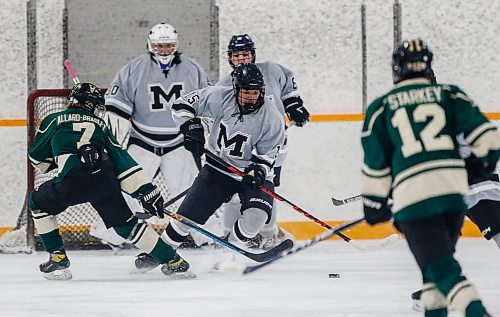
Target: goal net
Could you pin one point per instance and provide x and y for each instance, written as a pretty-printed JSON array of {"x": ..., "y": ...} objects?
[{"x": 75, "y": 223}]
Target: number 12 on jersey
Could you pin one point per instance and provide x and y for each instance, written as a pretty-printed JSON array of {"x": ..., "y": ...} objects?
[{"x": 429, "y": 138}]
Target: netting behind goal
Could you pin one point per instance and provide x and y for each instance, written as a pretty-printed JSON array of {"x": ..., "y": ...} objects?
[{"x": 75, "y": 223}]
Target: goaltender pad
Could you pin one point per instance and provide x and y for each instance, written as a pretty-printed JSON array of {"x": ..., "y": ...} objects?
[{"x": 75, "y": 223}]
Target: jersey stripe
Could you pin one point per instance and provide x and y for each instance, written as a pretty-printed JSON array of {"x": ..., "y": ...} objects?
[
  {"x": 429, "y": 184},
  {"x": 471, "y": 138},
  {"x": 425, "y": 166}
]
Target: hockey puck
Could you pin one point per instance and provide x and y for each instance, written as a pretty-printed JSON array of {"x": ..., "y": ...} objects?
[{"x": 333, "y": 275}]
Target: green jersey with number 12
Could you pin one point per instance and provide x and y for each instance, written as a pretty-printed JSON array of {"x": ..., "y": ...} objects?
[{"x": 410, "y": 147}]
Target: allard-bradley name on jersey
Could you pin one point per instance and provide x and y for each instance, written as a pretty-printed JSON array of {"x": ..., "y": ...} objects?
[
  {"x": 414, "y": 97},
  {"x": 78, "y": 117}
]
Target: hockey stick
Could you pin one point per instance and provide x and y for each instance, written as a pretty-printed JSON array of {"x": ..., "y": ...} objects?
[
  {"x": 340, "y": 202},
  {"x": 383, "y": 243},
  {"x": 258, "y": 257},
  {"x": 143, "y": 215},
  {"x": 71, "y": 72},
  {"x": 243, "y": 269}
]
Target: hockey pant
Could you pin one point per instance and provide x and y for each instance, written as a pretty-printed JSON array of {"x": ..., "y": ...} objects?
[
  {"x": 230, "y": 212},
  {"x": 432, "y": 241},
  {"x": 178, "y": 169},
  {"x": 209, "y": 191},
  {"x": 483, "y": 201},
  {"x": 100, "y": 188}
]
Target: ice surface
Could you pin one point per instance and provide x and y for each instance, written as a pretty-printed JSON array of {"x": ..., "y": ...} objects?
[{"x": 371, "y": 284}]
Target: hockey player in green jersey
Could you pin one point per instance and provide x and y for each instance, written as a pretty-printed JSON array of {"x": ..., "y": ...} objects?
[
  {"x": 411, "y": 154},
  {"x": 91, "y": 167}
]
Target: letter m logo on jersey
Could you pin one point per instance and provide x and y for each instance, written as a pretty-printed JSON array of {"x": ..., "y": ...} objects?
[
  {"x": 234, "y": 143},
  {"x": 160, "y": 97}
]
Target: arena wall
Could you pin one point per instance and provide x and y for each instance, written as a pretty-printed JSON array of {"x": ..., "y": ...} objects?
[{"x": 319, "y": 40}]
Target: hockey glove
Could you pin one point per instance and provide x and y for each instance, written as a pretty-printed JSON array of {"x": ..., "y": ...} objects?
[
  {"x": 376, "y": 211},
  {"x": 295, "y": 110},
  {"x": 90, "y": 155},
  {"x": 255, "y": 175},
  {"x": 477, "y": 171},
  {"x": 194, "y": 136},
  {"x": 152, "y": 202}
]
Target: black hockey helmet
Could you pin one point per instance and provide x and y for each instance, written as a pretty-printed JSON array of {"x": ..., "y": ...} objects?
[
  {"x": 411, "y": 59},
  {"x": 242, "y": 42},
  {"x": 88, "y": 97},
  {"x": 248, "y": 76}
]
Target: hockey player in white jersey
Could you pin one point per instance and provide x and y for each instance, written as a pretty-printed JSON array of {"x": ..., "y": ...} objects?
[
  {"x": 142, "y": 92},
  {"x": 282, "y": 88},
  {"x": 247, "y": 132}
]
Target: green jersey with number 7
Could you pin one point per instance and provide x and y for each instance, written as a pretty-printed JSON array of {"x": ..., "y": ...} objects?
[{"x": 61, "y": 134}]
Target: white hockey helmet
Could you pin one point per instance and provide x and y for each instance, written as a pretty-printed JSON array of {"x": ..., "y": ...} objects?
[{"x": 162, "y": 33}]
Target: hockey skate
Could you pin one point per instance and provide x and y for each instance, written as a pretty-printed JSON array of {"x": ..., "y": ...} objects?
[
  {"x": 271, "y": 242},
  {"x": 145, "y": 262},
  {"x": 417, "y": 303},
  {"x": 177, "y": 268},
  {"x": 57, "y": 267}
]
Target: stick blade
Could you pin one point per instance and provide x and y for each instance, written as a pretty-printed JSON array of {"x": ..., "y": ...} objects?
[
  {"x": 336, "y": 202},
  {"x": 378, "y": 244},
  {"x": 285, "y": 245}
]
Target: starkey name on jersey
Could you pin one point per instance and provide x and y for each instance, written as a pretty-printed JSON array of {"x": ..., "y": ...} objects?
[{"x": 414, "y": 96}]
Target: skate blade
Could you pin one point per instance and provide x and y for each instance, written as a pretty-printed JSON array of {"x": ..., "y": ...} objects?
[
  {"x": 182, "y": 276},
  {"x": 417, "y": 305},
  {"x": 59, "y": 275}
]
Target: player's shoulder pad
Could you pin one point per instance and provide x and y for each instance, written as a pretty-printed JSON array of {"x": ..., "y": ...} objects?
[
  {"x": 227, "y": 80},
  {"x": 376, "y": 105},
  {"x": 457, "y": 93},
  {"x": 191, "y": 62},
  {"x": 137, "y": 64},
  {"x": 374, "y": 110},
  {"x": 49, "y": 119}
]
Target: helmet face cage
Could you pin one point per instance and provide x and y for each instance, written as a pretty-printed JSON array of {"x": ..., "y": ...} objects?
[
  {"x": 162, "y": 33},
  {"x": 88, "y": 97},
  {"x": 240, "y": 43},
  {"x": 411, "y": 59},
  {"x": 248, "y": 76}
]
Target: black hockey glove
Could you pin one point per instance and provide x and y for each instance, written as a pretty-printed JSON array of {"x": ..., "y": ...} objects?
[
  {"x": 194, "y": 136},
  {"x": 152, "y": 202},
  {"x": 376, "y": 211},
  {"x": 295, "y": 110},
  {"x": 255, "y": 175},
  {"x": 477, "y": 171},
  {"x": 90, "y": 155}
]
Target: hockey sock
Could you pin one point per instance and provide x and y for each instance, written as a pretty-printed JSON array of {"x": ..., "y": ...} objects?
[
  {"x": 147, "y": 240},
  {"x": 250, "y": 223},
  {"x": 433, "y": 301},
  {"x": 175, "y": 233},
  {"x": 464, "y": 298},
  {"x": 52, "y": 241},
  {"x": 47, "y": 228},
  {"x": 445, "y": 273},
  {"x": 230, "y": 214},
  {"x": 271, "y": 229}
]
